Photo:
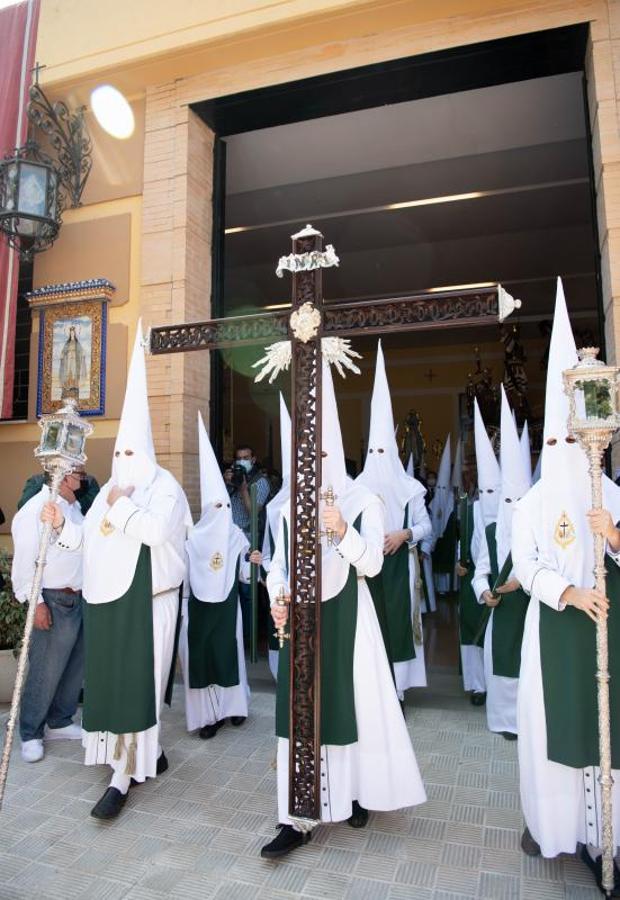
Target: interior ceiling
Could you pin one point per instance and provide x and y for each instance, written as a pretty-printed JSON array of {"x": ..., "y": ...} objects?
[{"x": 524, "y": 144}]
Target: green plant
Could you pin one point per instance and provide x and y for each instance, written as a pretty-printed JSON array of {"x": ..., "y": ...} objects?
[{"x": 12, "y": 613}]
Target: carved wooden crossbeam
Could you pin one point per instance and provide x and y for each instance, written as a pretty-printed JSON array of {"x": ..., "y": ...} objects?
[{"x": 418, "y": 312}]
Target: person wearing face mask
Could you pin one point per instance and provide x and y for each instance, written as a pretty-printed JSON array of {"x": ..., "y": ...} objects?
[
  {"x": 211, "y": 640},
  {"x": 406, "y": 524},
  {"x": 85, "y": 494},
  {"x": 557, "y": 706},
  {"x": 366, "y": 758},
  {"x": 56, "y": 657},
  {"x": 238, "y": 478},
  {"x": 133, "y": 540},
  {"x": 508, "y": 604}
]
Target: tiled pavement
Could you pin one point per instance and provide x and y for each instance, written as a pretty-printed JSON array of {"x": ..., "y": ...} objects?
[{"x": 196, "y": 831}]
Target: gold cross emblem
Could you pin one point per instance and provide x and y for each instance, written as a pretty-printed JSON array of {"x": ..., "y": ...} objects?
[
  {"x": 217, "y": 561},
  {"x": 564, "y": 533}
]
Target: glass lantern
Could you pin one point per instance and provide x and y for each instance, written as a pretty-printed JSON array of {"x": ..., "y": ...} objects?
[
  {"x": 592, "y": 390},
  {"x": 30, "y": 213},
  {"x": 63, "y": 439}
]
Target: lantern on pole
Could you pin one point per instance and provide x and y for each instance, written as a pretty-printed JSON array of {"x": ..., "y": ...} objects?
[
  {"x": 60, "y": 451},
  {"x": 594, "y": 416}
]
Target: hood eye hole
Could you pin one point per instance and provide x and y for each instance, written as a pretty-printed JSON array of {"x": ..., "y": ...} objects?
[
  {"x": 371, "y": 450},
  {"x": 551, "y": 442},
  {"x": 324, "y": 453},
  {"x": 571, "y": 440},
  {"x": 218, "y": 505},
  {"x": 228, "y": 506},
  {"x": 508, "y": 500},
  {"x": 380, "y": 450},
  {"x": 117, "y": 453},
  {"x": 490, "y": 491},
  {"x": 128, "y": 452}
]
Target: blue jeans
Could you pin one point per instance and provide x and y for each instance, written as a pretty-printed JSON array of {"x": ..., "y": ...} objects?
[{"x": 55, "y": 668}]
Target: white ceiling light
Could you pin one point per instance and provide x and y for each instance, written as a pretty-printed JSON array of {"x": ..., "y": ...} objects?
[{"x": 112, "y": 111}]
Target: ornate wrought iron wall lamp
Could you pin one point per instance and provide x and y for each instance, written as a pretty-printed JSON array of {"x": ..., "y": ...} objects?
[{"x": 38, "y": 182}]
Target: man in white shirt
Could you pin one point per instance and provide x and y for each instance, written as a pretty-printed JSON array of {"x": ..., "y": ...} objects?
[{"x": 56, "y": 657}]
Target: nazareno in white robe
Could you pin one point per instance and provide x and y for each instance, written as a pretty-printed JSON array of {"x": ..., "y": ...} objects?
[
  {"x": 472, "y": 657},
  {"x": 380, "y": 770},
  {"x": 555, "y": 798},
  {"x": 206, "y": 706},
  {"x": 162, "y": 525},
  {"x": 412, "y": 672},
  {"x": 501, "y": 704}
]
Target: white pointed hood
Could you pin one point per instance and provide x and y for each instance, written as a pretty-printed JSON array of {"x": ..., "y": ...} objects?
[
  {"x": 134, "y": 454},
  {"x": 410, "y": 467},
  {"x": 457, "y": 469},
  {"x": 489, "y": 477},
  {"x": 442, "y": 503},
  {"x": 111, "y": 555},
  {"x": 565, "y": 481},
  {"x": 282, "y": 499},
  {"x": 525, "y": 449},
  {"x": 383, "y": 472},
  {"x": 352, "y": 498},
  {"x": 215, "y": 542},
  {"x": 515, "y": 479}
]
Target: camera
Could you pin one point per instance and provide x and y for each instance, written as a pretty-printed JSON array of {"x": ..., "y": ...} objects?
[{"x": 239, "y": 475}]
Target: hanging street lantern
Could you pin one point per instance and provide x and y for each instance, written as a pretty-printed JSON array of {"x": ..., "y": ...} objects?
[
  {"x": 41, "y": 178},
  {"x": 594, "y": 416}
]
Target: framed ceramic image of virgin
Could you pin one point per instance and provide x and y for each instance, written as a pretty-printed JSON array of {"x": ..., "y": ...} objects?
[{"x": 72, "y": 356}]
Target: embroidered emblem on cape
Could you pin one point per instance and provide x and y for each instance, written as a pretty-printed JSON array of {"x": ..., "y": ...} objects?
[
  {"x": 217, "y": 561},
  {"x": 564, "y": 533},
  {"x": 106, "y": 527}
]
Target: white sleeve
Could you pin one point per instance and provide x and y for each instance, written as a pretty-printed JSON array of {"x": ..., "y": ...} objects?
[
  {"x": 277, "y": 577},
  {"x": 419, "y": 520},
  {"x": 364, "y": 549},
  {"x": 153, "y": 525},
  {"x": 546, "y": 584},
  {"x": 480, "y": 581},
  {"x": 26, "y": 533}
]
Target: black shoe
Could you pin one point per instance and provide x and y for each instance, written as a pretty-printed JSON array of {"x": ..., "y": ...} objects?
[
  {"x": 529, "y": 845},
  {"x": 109, "y": 805},
  {"x": 162, "y": 764},
  {"x": 209, "y": 731},
  {"x": 237, "y": 720},
  {"x": 596, "y": 867},
  {"x": 288, "y": 839},
  {"x": 359, "y": 816},
  {"x": 508, "y": 735},
  {"x": 478, "y": 698}
]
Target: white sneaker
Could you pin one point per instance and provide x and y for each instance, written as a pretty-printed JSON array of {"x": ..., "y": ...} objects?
[
  {"x": 70, "y": 732},
  {"x": 32, "y": 751}
]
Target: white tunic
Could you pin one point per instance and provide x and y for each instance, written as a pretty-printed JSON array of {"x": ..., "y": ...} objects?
[
  {"x": 380, "y": 770},
  {"x": 63, "y": 569},
  {"x": 561, "y": 805},
  {"x": 501, "y": 705},
  {"x": 472, "y": 657}
]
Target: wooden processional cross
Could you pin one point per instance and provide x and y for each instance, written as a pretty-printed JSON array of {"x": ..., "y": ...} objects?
[{"x": 305, "y": 325}]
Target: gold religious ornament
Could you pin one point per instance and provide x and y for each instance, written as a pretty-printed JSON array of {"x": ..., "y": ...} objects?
[
  {"x": 282, "y": 601},
  {"x": 217, "y": 561},
  {"x": 594, "y": 416},
  {"x": 106, "y": 528},
  {"x": 564, "y": 532},
  {"x": 330, "y": 498}
]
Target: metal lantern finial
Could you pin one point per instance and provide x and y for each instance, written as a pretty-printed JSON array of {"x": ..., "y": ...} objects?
[{"x": 592, "y": 390}]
